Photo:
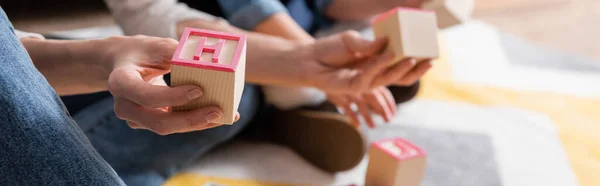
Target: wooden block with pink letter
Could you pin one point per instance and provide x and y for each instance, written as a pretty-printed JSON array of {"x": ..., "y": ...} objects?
[
  {"x": 216, "y": 62},
  {"x": 410, "y": 32},
  {"x": 395, "y": 162},
  {"x": 451, "y": 12}
]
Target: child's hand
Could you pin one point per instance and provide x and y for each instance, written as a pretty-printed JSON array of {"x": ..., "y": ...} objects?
[
  {"x": 379, "y": 100},
  {"x": 350, "y": 63},
  {"x": 412, "y": 76}
]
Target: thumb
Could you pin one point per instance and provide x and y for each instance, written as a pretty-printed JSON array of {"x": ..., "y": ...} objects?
[
  {"x": 360, "y": 46},
  {"x": 343, "y": 49}
]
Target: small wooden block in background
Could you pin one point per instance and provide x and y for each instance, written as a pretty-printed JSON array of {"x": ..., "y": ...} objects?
[
  {"x": 451, "y": 12},
  {"x": 410, "y": 32},
  {"x": 395, "y": 162},
  {"x": 216, "y": 62}
]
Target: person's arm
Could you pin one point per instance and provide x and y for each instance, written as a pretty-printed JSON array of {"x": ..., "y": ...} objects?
[
  {"x": 158, "y": 17},
  {"x": 282, "y": 25},
  {"x": 131, "y": 68},
  {"x": 377, "y": 100},
  {"x": 352, "y": 10},
  {"x": 264, "y": 56},
  {"x": 306, "y": 64},
  {"x": 269, "y": 60},
  {"x": 71, "y": 67},
  {"x": 265, "y": 16}
]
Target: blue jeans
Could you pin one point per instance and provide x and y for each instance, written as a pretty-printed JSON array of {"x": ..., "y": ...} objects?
[
  {"x": 40, "y": 144},
  {"x": 144, "y": 158}
]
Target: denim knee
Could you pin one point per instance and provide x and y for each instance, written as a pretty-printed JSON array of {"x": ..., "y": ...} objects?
[{"x": 39, "y": 142}]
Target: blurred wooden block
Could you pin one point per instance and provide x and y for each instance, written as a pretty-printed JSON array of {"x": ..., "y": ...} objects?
[
  {"x": 450, "y": 12},
  {"x": 410, "y": 33},
  {"x": 395, "y": 162},
  {"x": 216, "y": 62}
]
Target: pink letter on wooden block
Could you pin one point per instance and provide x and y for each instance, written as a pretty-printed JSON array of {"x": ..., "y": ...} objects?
[
  {"x": 215, "y": 49},
  {"x": 399, "y": 148},
  {"x": 225, "y": 58}
]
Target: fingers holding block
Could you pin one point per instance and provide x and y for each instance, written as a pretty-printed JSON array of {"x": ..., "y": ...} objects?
[
  {"x": 411, "y": 33},
  {"x": 395, "y": 162},
  {"x": 450, "y": 12},
  {"x": 214, "y": 61}
]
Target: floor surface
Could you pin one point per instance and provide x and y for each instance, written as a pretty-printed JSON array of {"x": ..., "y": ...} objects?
[{"x": 569, "y": 25}]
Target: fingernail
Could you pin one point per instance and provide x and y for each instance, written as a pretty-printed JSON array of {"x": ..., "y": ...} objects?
[
  {"x": 213, "y": 116},
  {"x": 412, "y": 61},
  {"x": 430, "y": 63},
  {"x": 237, "y": 117},
  {"x": 194, "y": 94},
  {"x": 358, "y": 55}
]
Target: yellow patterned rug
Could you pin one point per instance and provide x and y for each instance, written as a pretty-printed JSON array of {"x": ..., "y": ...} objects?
[{"x": 577, "y": 118}]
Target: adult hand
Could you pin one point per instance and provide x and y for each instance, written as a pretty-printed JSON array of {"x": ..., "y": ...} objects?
[
  {"x": 349, "y": 63},
  {"x": 142, "y": 98},
  {"x": 389, "y": 4},
  {"x": 379, "y": 101}
]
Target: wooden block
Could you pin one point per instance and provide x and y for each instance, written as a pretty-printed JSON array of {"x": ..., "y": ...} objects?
[
  {"x": 216, "y": 62},
  {"x": 451, "y": 12},
  {"x": 410, "y": 33},
  {"x": 395, "y": 162}
]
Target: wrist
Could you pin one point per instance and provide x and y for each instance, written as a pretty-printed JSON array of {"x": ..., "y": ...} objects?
[
  {"x": 71, "y": 67},
  {"x": 306, "y": 63},
  {"x": 93, "y": 54}
]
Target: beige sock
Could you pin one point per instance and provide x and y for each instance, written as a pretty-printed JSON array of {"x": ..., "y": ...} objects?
[{"x": 287, "y": 97}]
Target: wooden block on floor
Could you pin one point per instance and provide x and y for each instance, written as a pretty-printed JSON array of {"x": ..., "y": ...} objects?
[
  {"x": 216, "y": 62},
  {"x": 395, "y": 162},
  {"x": 451, "y": 12},
  {"x": 410, "y": 33}
]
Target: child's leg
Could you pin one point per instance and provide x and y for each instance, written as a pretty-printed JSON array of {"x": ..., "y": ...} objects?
[{"x": 39, "y": 143}]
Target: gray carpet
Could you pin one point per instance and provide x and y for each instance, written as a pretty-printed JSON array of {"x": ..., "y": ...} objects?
[{"x": 453, "y": 158}]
